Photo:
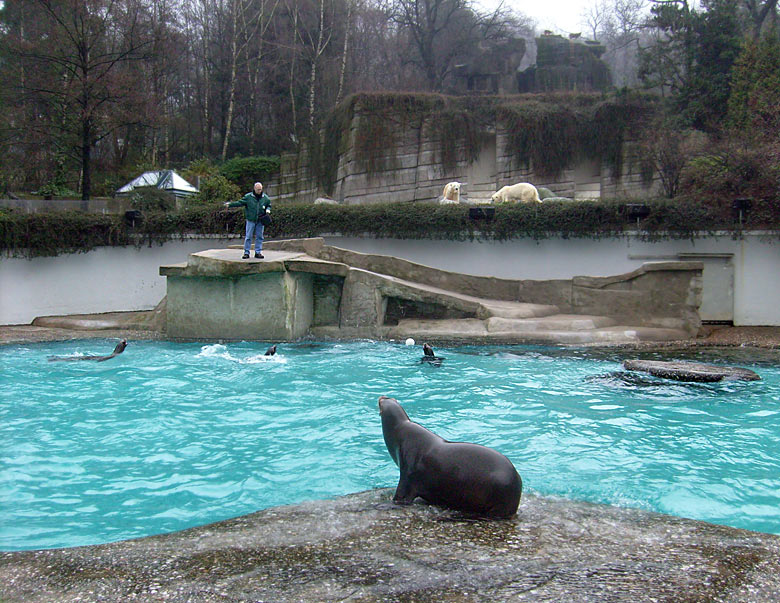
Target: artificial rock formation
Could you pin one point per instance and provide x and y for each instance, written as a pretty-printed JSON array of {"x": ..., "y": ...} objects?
[{"x": 307, "y": 288}]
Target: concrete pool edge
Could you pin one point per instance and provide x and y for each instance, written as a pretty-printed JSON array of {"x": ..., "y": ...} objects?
[
  {"x": 710, "y": 336},
  {"x": 362, "y": 547}
]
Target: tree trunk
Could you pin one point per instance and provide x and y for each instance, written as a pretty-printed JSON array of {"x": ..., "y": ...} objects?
[
  {"x": 292, "y": 74},
  {"x": 318, "y": 50},
  {"x": 759, "y": 14},
  {"x": 86, "y": 152},
  {"x": 232, "y": 84},
  {"x": 264, "y": 20},
  {"x": 344, "y": 52}
]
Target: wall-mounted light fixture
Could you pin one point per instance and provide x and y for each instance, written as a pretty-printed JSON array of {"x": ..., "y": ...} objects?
[
  {"x": 482, "y": 213},
  {"x": 740, "y": 208},
  {"x": 636, "y": 212},
  {"x": 133, "y": 217}
]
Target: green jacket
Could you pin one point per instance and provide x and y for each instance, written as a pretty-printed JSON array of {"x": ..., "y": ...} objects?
[{"x": 253, "y": 207}]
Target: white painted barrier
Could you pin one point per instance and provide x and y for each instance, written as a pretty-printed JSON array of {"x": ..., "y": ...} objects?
[{"x": 740, "y": 280}]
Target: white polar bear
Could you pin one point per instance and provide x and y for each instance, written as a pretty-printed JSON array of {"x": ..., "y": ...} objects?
[
  {"x": 451, "y": 193},
  {"x": 523, "y": 192}
]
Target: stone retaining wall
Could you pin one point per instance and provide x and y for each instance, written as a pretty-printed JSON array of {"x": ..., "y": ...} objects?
[{"x": 413, "y": 170}]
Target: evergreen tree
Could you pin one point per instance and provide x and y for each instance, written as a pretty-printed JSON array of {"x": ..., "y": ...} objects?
[
  {"x": 753, "y": 105},
  {"x": 692, "y": 56}
]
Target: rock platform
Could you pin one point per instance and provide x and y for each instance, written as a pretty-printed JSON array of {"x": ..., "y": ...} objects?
[
  {"x": 361, "y": 547},
  {"x": 691, "y": 371}
]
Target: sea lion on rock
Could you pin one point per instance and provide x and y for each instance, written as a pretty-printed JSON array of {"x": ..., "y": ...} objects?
[
  {"x": 120, "y": 347},
  {"x": 469, "y": 478}
]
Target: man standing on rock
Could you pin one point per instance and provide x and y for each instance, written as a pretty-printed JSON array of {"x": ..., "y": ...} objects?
[{"x": 257, "y": 207}]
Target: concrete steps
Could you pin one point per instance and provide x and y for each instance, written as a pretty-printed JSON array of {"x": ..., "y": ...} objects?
[
  {"x": 481, "y": 307},
  {"x": 516, "y": 322},
  {"x": 495, "y": 309}
]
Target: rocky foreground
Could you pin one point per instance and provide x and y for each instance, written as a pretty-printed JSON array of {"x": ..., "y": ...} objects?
[{"x": 363, "y": 548}]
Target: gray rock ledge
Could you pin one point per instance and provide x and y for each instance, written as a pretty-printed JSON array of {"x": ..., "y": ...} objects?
[
  {"x": 363, "y": 548},
  {"x": 691, "y": 371}
]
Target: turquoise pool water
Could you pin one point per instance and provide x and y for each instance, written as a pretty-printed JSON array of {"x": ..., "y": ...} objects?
[{"x": 170, "y": 435}]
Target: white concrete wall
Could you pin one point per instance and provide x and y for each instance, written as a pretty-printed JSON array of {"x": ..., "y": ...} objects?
[
  {"x": 755, "y": 261},
  {"x": 119, "y": 279},
  {"x": 107, "y": 279}
]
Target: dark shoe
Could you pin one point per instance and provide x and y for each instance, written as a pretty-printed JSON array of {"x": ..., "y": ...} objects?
[
  {"x": 245, "y": 256},
  {"x": 259, "y": 255}
]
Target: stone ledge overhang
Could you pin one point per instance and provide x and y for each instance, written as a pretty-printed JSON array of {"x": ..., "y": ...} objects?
[{"x": 226, "y": 263}]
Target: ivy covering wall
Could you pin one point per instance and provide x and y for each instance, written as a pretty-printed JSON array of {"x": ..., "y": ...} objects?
[
  {"x": 547, "y": 131},
  {"x": 54, "y": 233}
]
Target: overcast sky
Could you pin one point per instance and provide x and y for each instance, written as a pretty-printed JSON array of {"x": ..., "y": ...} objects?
[{"x": 559, "y": 16}]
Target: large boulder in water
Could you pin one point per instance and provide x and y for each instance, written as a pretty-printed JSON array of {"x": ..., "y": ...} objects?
[{"x": 691, "y": 371}]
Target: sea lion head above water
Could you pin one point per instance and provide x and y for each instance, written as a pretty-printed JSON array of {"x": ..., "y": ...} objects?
[{"x": 429, "y": 357}]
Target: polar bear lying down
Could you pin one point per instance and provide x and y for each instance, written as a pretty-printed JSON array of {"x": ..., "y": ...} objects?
[{"x": 522, "y": 192}]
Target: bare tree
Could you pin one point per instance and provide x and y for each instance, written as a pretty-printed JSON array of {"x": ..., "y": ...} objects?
[
  {"x": 293, "y": 10},
  {"x": 345, "y": 51},
  {"x": 375, "y": 60},
  {"x": 317, "y": 49},
  {"x": 238, "y": 44},
  {"x": 439, "y": 30},
  {"x": 263, "y": 17},
  {"x": 596, "y": 17},
  {"x": 78, "y": 65},
  {"x": 198, "y": 68},
  {"x": 619, "y": 25}
]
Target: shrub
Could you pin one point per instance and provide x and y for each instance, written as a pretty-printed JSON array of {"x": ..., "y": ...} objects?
[
  {"x": 214, "y": 190},
  {"x": 245, "y": 171},
  {"x": 152, "y": 199},
  {"x": 731, "y": 171},
  {"x": 669, "y": 148},
  {"x": 755, "y": 88},
  {"x": 202, "y": 168},
  {"x": 49, "y": 190}
]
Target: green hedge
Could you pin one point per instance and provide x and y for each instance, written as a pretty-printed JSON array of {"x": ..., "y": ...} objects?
[
  {"x": 55, "y": 233},
  {"x": 50, "y": 234}
]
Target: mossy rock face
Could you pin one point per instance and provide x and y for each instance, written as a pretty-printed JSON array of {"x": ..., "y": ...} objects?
[
  {"x": 563, "y": 64},
  {"x": 547, "y": 132}
]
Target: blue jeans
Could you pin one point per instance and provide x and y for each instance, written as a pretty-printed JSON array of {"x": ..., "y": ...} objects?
[{"x": 254, "y": 229}]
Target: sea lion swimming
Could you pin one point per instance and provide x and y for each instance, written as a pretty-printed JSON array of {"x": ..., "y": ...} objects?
[
  {"x": 120, "y": 347},
  {"x": 270, "y": 351},
  {"x": 430, "y": 357},
  {"x": 468, "y": 478}
]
